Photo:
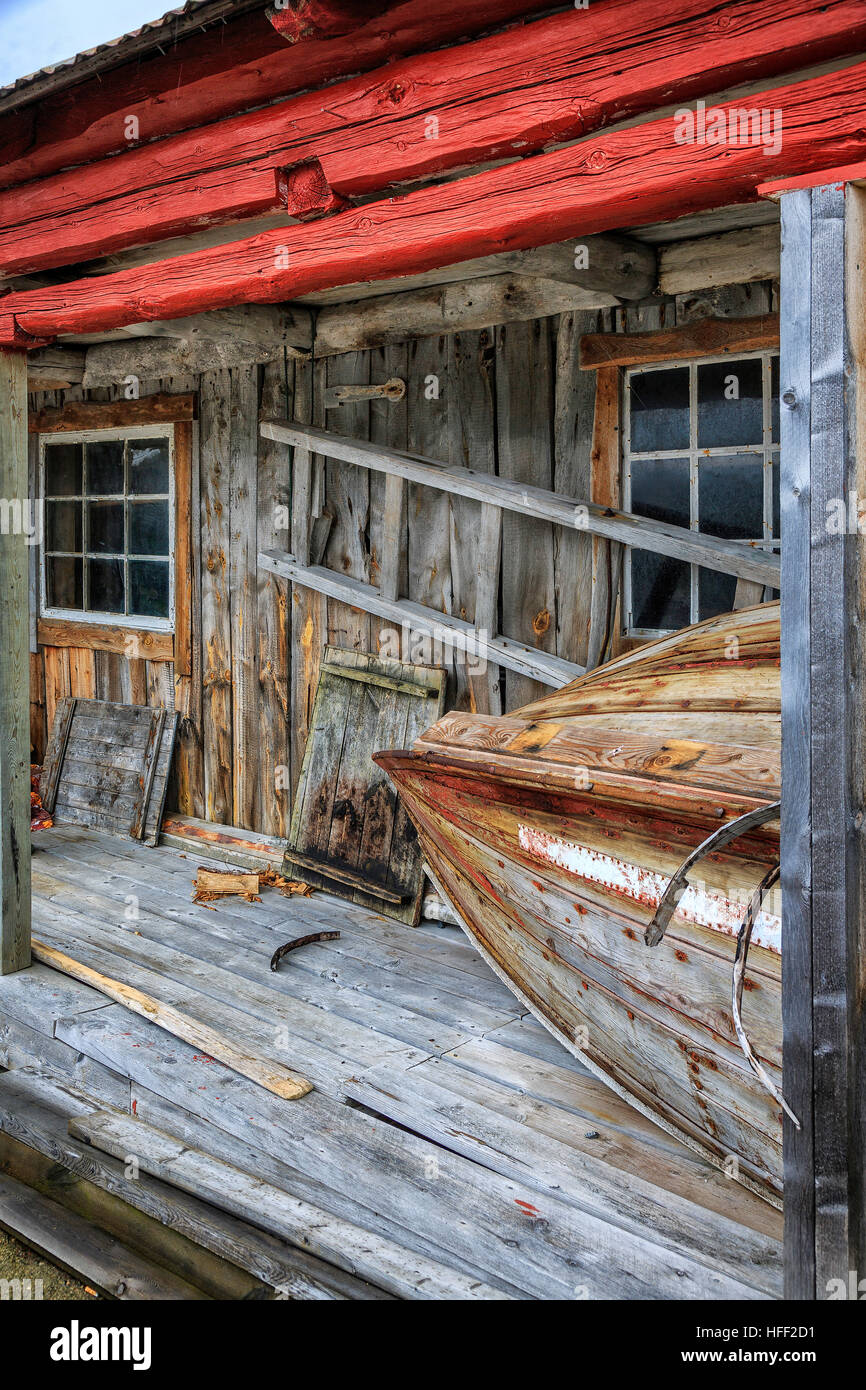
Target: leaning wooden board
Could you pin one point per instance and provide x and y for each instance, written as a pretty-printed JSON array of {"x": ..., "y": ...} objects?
[
  {"x": 349, "y": 833},
  {"x": 107, "y": 766}
]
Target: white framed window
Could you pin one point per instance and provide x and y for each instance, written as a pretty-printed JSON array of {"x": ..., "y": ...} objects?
[
  {"x": 700, "y": 450},
  {"x": 108, "y": 526}
]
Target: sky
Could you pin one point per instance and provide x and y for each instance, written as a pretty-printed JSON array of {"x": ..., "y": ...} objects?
[{"x": 37, "y": 33}]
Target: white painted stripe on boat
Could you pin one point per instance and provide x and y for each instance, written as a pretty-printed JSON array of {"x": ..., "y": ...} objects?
[{"x": 699, "y": 905}]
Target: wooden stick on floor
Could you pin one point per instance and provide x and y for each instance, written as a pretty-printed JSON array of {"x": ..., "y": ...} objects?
[{"x": 272, "y": 1075}]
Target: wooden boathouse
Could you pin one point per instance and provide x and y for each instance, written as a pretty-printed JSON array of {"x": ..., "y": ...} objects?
[{"x": 343, "y": 340}]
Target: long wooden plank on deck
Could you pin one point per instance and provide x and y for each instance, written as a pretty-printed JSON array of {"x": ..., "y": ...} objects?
[
  {"x": 35, "y": 1110},
  {"x": 506, "y": 1228},
  {"x": 399, "y": 1271},
  {"x": 273, "y": 1076}
]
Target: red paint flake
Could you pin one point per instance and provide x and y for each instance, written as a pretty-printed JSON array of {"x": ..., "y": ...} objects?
[
  {"x": 629, "y": 933},
  {"x": 539, "y": 886},
  {"x": 527, "y": 1207},
  {"x": 582, "y": 910},
  {"x": 135, "y": 1107},
  {"x": 630, "y": 1015},
  {"x": 680, "y": 955},
  {"x": 585, "y": 985},
  {"x": 202, "y": 1057}
]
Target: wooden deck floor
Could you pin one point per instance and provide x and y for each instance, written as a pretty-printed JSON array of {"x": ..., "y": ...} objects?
[{"x": 451, "y": 1147}]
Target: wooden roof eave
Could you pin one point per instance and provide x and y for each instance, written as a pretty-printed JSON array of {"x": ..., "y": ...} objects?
[{"x": 630, "y": 174}]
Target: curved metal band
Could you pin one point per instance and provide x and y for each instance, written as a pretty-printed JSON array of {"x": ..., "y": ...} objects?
[
  {"x": 744, "y": 937},
  {"x": 732, "y": 830}
]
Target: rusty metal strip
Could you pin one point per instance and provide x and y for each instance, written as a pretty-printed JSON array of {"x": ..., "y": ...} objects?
[
  {"x": 743, "y": 939},
  {"x": 718, "y": 840},
  {"x": 302, "y": 941}
]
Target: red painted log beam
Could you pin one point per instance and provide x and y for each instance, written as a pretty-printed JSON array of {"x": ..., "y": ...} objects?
[
  {"x": 317, "y": 19},
  {"x": 509, "y": 94},
  {"x": 618, "y": 179},
  {"x": 221, "y": 198},
  {"x": 225, "y": 70}
]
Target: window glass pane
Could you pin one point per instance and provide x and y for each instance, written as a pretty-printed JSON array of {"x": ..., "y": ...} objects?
[
  {"x": 730, "y": 404},
  {"x": 660, "y": 489},
  {"x": 148, "y": 585},
  {"x": 62, "y": 470},
  {"x": 105, "y": 468},
  {"x": 63, "y": 525},
  {"x": 105, "y": 527},
  {"x": 148, "y": 465},
  {"x": 715, "y": 593},
  {"x": 774, "y": 397},
  {"x": 148, "y": 528},
  {"x": 63, "y": 582},
  {"x": 105, "y": 586},
  {"x": 731, "y": 496},
  {"x": 659, "y": 410},
  {"x": 661, "y": 591}
]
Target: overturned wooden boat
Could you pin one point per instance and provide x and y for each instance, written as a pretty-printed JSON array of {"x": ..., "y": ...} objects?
[{"x": 558, "y": 831}]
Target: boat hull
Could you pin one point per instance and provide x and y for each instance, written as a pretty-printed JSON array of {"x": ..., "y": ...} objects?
[
  {"x": 554, "y": 832},
  {"x": 653, "y": 1023}
]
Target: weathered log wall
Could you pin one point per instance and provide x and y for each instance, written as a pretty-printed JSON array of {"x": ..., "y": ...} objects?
[{"x": 508, "y": 400}]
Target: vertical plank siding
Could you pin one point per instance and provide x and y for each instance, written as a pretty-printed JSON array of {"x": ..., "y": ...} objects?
[
  {"x": 273, "y": 500},
  {"x": 217, "y": 723},
  {"x": 524, "y": 396},
  {"x": 309, "y": 610},
  {"x": 475, "y": 533},
  {"x": 348, "y": 502},
  {"x": 243, "y": 587},
  {"x": 509, "y": 401}
]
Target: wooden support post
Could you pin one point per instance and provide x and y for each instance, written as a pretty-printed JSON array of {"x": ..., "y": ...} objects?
[
  {"x": 14, "y": 668},
  {"x": 823, "y": 371}
]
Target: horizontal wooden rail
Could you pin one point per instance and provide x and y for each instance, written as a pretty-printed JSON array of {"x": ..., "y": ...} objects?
[
  {"x": 709, "y": 338},
  {"x": 729, "y": 557},
  {"x": 450, "y": 631}
]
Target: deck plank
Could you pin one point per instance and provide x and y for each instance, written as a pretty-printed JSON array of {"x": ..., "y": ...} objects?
[
  {"x": 35, "y": 1110},
  {"x": 503, "y": 1227},
  {"x": 516, "y": 1168}
]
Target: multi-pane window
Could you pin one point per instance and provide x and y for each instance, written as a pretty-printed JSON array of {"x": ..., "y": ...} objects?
[
  {"x": 701, "y": 450},
  {"x": 107, "y": 545}
]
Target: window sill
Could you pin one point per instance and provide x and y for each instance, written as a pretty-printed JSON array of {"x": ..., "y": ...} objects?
[{"x": 137, "y": 644}]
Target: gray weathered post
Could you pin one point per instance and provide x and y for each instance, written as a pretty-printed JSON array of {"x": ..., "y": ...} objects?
[
  {"x": 14, "y": 668},
  {"x": 823, "y": 764}
]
